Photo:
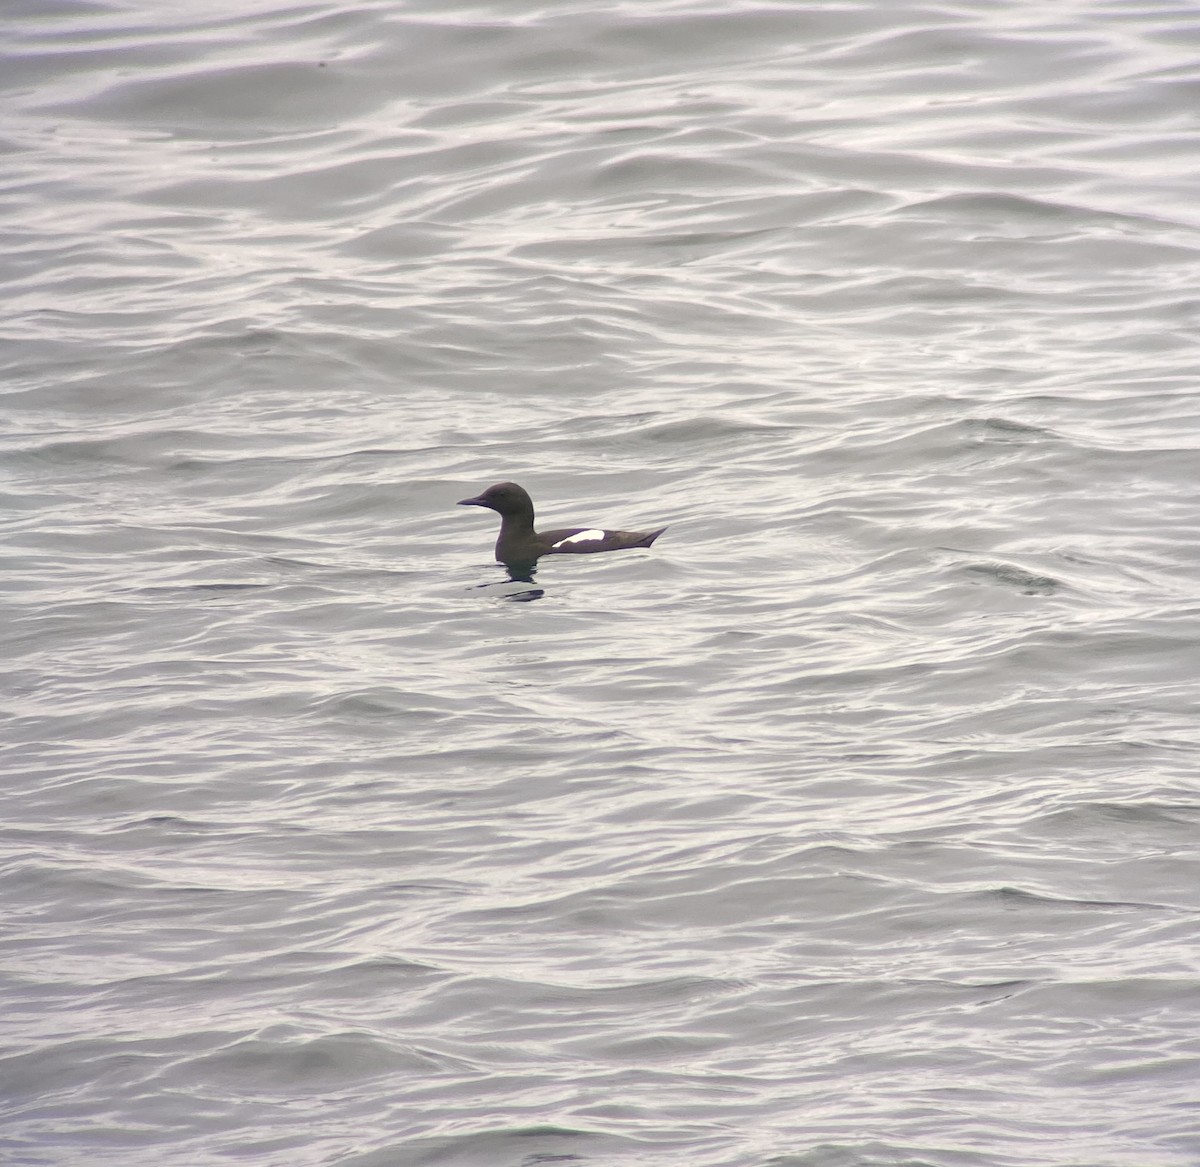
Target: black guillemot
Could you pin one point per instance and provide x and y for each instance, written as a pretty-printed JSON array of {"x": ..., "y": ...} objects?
[{"x": 520, "y": 543}]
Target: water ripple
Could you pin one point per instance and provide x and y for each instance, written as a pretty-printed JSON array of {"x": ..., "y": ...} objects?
[{"x": 851, "y": 824}]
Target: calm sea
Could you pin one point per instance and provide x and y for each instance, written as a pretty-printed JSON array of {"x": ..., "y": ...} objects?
[{"x": 856, "y": 824}]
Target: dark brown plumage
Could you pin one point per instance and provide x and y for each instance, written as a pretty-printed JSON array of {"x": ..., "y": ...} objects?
[{"x": 519, "y": 543}]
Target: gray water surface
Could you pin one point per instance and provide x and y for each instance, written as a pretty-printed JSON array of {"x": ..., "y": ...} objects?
[{"x": 853, "y": 825}]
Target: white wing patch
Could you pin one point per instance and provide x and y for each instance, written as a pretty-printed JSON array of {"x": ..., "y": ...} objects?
[{"x": 582, "y": 537}]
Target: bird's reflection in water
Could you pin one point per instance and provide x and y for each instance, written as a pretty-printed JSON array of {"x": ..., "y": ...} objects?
[{"x": 521, "y": 575}]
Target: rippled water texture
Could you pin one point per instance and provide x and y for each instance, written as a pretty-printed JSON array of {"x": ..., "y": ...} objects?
[{"x": 853, "y": 825}]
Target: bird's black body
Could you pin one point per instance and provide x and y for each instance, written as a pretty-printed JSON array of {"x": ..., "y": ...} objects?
[{"x": 519, "y": 543}]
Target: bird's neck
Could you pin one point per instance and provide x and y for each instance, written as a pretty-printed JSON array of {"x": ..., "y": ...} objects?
[{"x": 517, "y": 522}]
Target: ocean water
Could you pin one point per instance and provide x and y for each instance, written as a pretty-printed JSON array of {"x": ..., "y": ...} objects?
[{"x": 855, "y": 824}]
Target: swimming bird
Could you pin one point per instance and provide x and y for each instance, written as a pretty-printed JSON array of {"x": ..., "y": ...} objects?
[{"x": 520, "y": 543}]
